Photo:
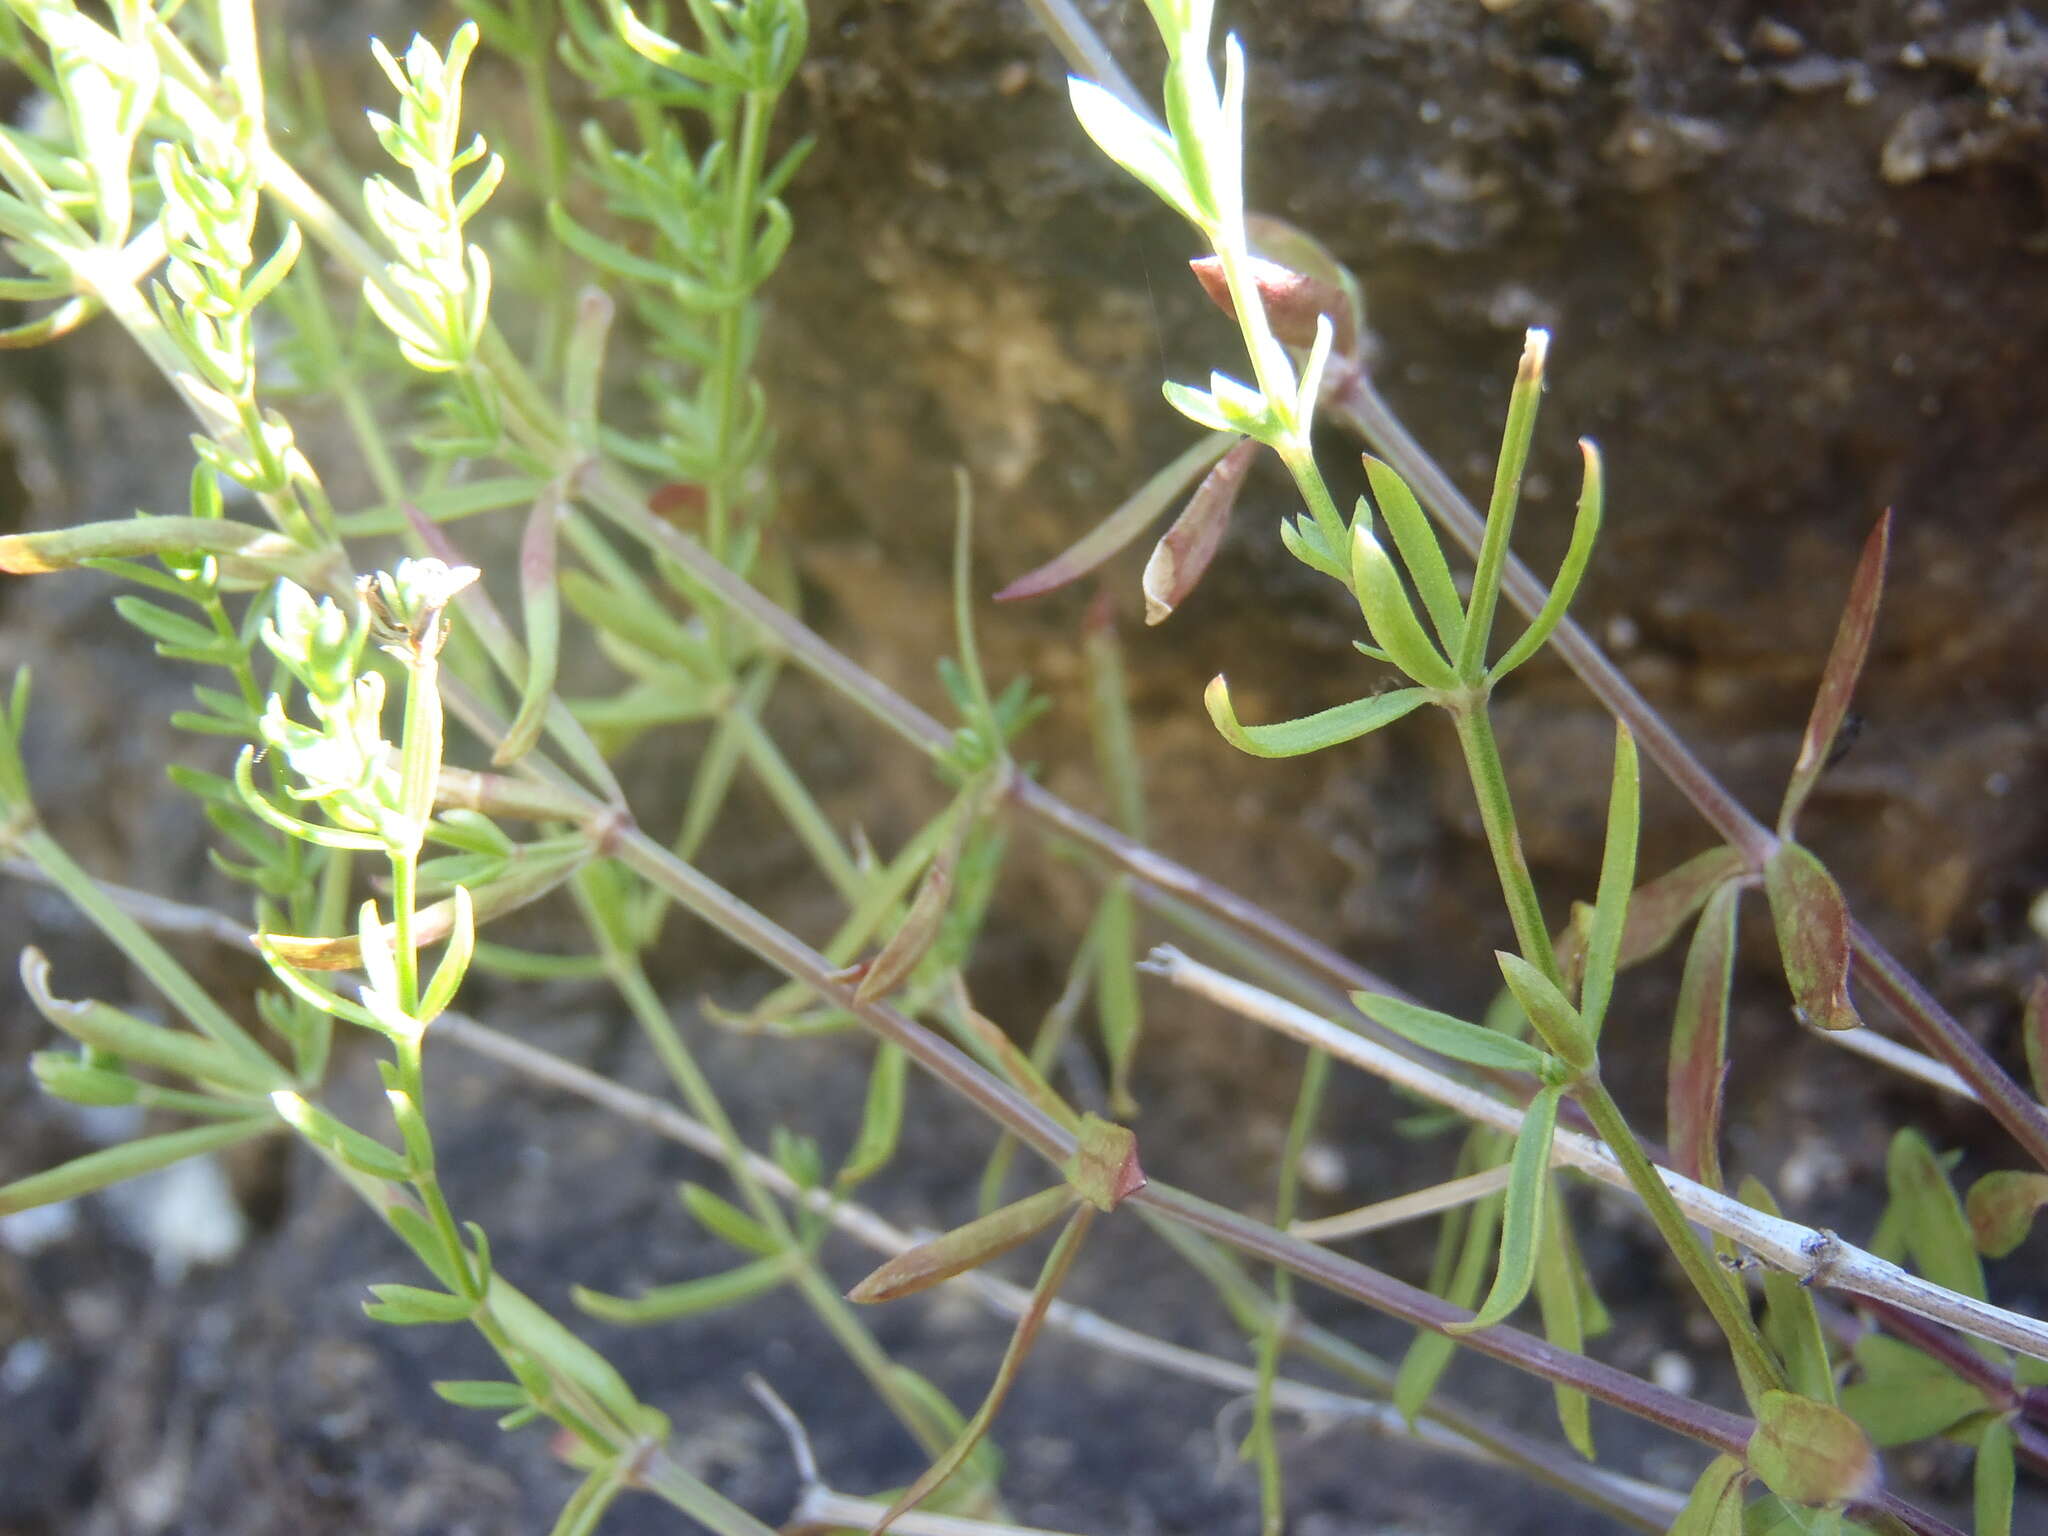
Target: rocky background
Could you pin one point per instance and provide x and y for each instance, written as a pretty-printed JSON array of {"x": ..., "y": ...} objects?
[{"x": 1792, "y": 260}]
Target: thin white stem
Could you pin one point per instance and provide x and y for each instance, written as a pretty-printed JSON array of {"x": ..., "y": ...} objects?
[
  {"x": 1817, "y": 1257},
  {"x": 1903, "y": 1059}
]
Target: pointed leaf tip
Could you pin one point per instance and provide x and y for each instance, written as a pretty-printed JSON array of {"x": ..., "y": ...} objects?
[
  {"x": 1121, "y": 527},
  {"x": 1311, "y": 733},
  {"x": 1839, "y": 675}
]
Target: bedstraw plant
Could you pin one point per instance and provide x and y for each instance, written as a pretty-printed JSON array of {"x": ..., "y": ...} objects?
[{"x": 407, "y": 763}]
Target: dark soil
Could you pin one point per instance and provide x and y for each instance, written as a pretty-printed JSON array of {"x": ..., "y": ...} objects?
[{"x": 1792, "y": 262}]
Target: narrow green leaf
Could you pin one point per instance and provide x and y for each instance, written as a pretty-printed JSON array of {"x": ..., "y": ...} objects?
[
  {"x": 1050, "y": 1277},
  {"x": 1903, "y": 1395},
  {"x": 1448, "y": 1036},
  {"x": 941, "y": 1423},
  {"x": 1699, "y": 1042},
  {"x": 1813, "y": 936},
  {"x": 1791, "y": 1321},
  {"x": 1311, "y": 733},
  {"x": 1144, "y": 507},
  {"x": 411, "y": 1306},
  {"x": 881, "y": 1118},
  {"x": 540, "y": 599},
  {"x": 1585, "y": 532},
  {"x": 1810, "y": 1453},
  {"x": 1135, "y": 145},
  {"x": 1421, "y": 552},
  {"x": 914, "y": 936},
  {"x": 96, "y": 1170},
  {"x": 1559, "y": 1295},
  {"x": 1388, "y": 613},
  {"x": 1526, "y": 397},
  {"x": 1521, "y": 1227},
  {"x": 1715, "y": 1507},
  {"x": 168, "y": 628},
  {"x": 1838, "y": 677},
  {"x": 1995, "y": 1475},
  {"x": 687, "y": 1298},
  {"x": 1617, "y": 882},
  {"x": 1937, "y": 1234},
  {"x": 497, "y": 1396},
  {"x": 2002, "y": 1207},
  {"x": 722, "y": 1219},
  {"x": 1118, "y": 1011},
  {"x": 107, "y": 1028},
  {"x": 538, "y": 1334},
  {"x": 1549, "y": 1010},
  {"x": 593, "y": 1498},
  {"x": 965, "y": 1247}
]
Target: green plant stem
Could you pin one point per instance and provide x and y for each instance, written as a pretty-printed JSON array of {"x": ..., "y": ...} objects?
[
  {"x": 1352, "y": 398},
  {"x": 824, "y": 1298},
  {"x": 725, "y": 380},
  {"x": 1497, "y": 815},
  {"x": 1308, "y": 1103},
  {"x": 572, "y": 1406},
  {"x": 1729, "y": 1307}
]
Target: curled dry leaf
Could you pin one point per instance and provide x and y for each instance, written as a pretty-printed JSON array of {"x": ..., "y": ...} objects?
[{"x": 1183, "y": 554}]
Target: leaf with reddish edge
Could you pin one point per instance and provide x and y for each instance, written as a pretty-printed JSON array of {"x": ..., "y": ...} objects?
[
  {"x": 1183, "y": 554},
  {"x": 1838, "y": 677},
  {"x": 1057, "y": 1263},
  {"x": 1699, "y": 1042},
  {"x": 2001, "y": 1208},
  {"x": 2034, "y": 1036},
  {"x": 966, "y": 1247},
  {"x": 1810, "y": 1453},
  {"x": 1104, "y": 1169},
  {"x": 1813, "y": 936},
  {"x": 920, "y": 928},
  {"x": 1107, "y": 537},
  {"x": 1715, "y": 1507}
]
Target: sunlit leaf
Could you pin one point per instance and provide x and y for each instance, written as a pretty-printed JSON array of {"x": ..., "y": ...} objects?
[
  {"x": 1311, "y": 733},
  {"x": 1388, "y": 613}
]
